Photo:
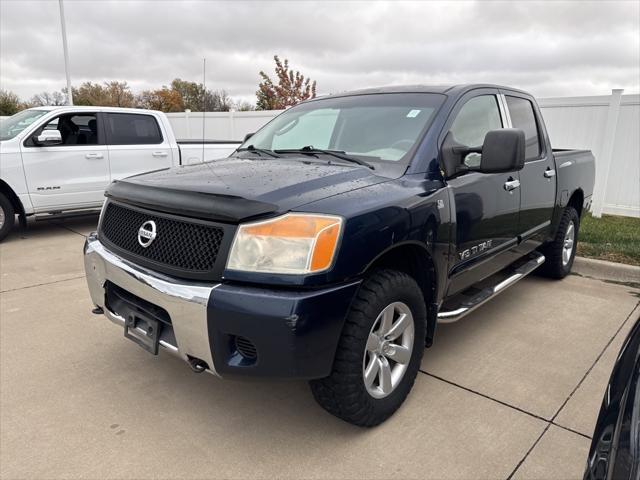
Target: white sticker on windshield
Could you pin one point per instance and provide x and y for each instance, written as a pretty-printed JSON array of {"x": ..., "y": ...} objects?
[{"x": 413, "y": 113}]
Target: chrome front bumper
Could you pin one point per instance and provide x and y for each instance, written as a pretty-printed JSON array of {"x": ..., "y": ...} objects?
[{"x": 185, "y": 302}]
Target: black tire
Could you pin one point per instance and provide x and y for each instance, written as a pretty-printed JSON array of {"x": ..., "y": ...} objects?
[
  {"x": 554, "y": 266},
  {"x": 9, "y": 216},
  {"x": 343, "y": 393}
]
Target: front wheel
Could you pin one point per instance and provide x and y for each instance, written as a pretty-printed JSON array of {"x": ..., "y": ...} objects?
[
  {"x": 7, "y": 216},
  {"x": 562, "y": 250},
  {"x": 379, "y": 352}
]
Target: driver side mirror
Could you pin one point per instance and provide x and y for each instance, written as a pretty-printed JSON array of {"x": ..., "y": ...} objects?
[
  {"x": 247, "y": 137},
  {"x": 48, "y": 138},
  {"x": 503, "y": 150}
]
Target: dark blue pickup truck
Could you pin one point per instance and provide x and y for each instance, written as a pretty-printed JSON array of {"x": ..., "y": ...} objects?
[{"x": 329, "y": 245}]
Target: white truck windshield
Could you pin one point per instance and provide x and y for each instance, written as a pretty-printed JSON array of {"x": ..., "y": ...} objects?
[{"x": 12, "y": 126}]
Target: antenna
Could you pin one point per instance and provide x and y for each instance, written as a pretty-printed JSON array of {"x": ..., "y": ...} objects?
[{"x": 204, "y": 100}]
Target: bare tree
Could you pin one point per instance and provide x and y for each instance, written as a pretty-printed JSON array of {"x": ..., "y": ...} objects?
[
  {"x": 244, "y": 106},
  {"x": 56, "y": 98}
]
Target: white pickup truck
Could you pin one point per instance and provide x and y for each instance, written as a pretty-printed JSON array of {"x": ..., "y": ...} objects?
[{"x": 59, "y": 160}]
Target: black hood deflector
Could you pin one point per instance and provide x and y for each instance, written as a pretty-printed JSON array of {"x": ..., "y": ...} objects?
[{"x": 224, "y": 208}]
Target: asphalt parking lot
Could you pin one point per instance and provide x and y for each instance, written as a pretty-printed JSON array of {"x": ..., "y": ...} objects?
[{"x": 512, "y": 391}]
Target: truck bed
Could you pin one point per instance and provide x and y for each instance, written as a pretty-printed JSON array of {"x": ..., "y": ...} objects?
[
  {"x": 574, "y": 168},
  {"x": 191, "y": 151}
]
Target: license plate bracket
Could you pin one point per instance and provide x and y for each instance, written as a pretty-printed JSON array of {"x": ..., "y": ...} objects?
[{"x": 144, "y": 331}]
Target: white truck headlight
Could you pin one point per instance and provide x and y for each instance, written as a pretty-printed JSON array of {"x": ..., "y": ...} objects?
[{"x": 295, "y": 243}]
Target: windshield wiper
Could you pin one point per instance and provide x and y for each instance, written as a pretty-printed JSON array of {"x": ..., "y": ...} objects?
[
  {"x": 310, "y": 150},
  {"x": 259, "y": 151}
]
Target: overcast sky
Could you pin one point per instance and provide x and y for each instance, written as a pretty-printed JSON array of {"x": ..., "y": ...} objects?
[{"x": 549, "y": 48}]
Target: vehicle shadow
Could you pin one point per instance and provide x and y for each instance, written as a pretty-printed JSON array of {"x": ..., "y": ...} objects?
[
  {"x": 82, "y": 225},
  {"x": 277, "y": 410}
]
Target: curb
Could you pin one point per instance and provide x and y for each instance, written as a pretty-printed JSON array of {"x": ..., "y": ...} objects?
[{"x": 603, "y": 270}]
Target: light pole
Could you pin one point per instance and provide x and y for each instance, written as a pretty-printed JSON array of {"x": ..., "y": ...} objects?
[{"x": 66, "y": 53}]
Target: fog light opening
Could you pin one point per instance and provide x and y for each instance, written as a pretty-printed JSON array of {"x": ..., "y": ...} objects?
[{"x": 246, "y": 348}]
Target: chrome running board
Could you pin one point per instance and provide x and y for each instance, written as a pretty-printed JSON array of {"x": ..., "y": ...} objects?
[{"x": 461, "y": 304}]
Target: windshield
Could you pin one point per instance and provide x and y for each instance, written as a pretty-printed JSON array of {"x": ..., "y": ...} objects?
[
  {"x": 12, "y": 126},
  {"x": 376, "y": 127}
]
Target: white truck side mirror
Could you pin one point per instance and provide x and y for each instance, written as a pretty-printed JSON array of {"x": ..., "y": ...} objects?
[{"x": 48, "y": 137}]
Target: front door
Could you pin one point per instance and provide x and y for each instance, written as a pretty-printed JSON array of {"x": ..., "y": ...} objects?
[
  {"x": 73, "y": 174},
  {"x": 486, "y": 205}
]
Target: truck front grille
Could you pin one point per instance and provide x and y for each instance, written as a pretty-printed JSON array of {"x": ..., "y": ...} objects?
[{"x": 181, "y": 247}]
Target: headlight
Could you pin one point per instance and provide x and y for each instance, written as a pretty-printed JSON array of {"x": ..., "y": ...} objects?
[{"x": 293, "y": 243}]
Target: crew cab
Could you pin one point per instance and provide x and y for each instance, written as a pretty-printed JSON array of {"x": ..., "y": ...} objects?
[
  {"x": 57, "y": 160},
  {"x": 332, "y": 242}
]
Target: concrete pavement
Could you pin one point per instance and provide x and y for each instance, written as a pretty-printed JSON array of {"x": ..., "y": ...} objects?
[{"x": 512, "y": 391}]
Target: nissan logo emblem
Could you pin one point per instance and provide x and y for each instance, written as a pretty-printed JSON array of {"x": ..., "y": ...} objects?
[{"x": 147, "y": 233}]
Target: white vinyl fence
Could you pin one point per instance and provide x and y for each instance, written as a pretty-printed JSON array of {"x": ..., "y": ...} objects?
[
  {"x": 609, "y": 126},
  {"x": 218, "y": 125}
]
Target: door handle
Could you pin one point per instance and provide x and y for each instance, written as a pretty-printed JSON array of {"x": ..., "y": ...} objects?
[
  {"x": 548, "y": 173},
  {"x": 91, "y": 156},
  {"x": 511, "y": 185},
  {"x": 159, "y": 154}
]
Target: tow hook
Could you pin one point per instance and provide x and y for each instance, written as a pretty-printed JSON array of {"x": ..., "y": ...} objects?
[{"x": 197, "y": 365}]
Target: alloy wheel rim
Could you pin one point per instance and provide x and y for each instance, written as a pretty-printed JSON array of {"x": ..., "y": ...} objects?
[
  {"x": 567, "y": 247},
  {"x": 1, "y": 217},
  {"x": 388, "y": 350}
]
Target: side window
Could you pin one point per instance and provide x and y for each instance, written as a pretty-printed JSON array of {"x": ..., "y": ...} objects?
[
  {"x": 477, "y": 117},
  {"x": 132, "y": 129},
  {"x": 523, "y": 117},
  {"x": 75, "y": 129}
]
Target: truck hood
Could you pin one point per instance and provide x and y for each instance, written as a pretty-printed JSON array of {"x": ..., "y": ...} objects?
[{"x": 234, "y": 189}]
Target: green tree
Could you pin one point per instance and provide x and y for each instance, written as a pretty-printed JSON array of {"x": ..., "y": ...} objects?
[
  {"x": 119, "y": 94},
  {"x": 91, "y": 94},
  {"x": 192, "y": 93},
  {"x": 9, "y": 103},
  {"x": 163, "y": 99},
  {"x": 195, "y": 97},
  {"x": 111, "y": 94},
  {"x": 291, "y": 88}
]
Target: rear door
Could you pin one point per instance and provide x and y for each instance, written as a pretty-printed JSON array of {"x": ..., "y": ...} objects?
[
  {"x": 73, "y": 174},
  {"x": 486, "y": 212},
  {"x": 538, "y": 177},
  {"x": 136, "y": 143}
]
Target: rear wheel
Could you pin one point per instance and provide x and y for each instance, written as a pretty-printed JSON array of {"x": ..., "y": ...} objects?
[
  {"x": 379, "y": 353},
  {"x": 7, "y": 216},
  {"x": 562, "y": 250}
]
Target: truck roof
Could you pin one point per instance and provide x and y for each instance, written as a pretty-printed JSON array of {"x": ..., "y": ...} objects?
[
  {"x": 91, "y": 109},
  {"x": 456, "y": 89}
]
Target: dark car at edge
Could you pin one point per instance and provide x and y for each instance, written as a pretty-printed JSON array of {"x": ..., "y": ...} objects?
[{"x": 615, "y": 444}]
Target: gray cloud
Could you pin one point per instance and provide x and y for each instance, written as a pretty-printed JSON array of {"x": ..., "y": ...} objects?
[{"x": 548, "y": 48}]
